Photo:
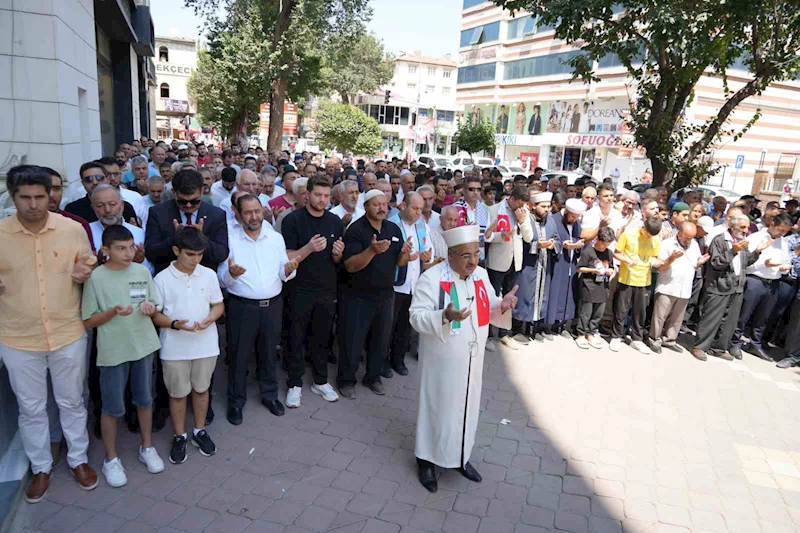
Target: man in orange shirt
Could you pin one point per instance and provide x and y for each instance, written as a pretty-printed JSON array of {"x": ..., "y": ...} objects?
[{"x": 41, "y": 326}]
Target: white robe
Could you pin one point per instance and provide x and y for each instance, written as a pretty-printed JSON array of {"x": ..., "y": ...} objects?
[{"x": 451, "y": 374}]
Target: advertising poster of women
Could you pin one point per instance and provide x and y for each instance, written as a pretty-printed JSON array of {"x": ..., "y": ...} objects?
[
  {"x": 587, "y": 117},
  {"x": 527, "y": 118}
]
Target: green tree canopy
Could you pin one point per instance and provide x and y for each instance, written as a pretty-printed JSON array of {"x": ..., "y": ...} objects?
[
  {"x": 348, "y": 129},
  {"x": 666, "y": 47},
  {"x": 355, "y": 63},
  {"x": 474, "y": 136}
]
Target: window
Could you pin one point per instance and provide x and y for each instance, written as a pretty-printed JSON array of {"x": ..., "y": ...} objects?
[
  {"x": 446, "y": 73},
  {"x": 525, "y": 26},
  {"x": 613, "y": 60},
  {"x": 163, "y": 54},
  {"x": 539, "y": 66},
  {"x": 481, "y": 34},
  {"x": 429, "y": 89},
  {"x": 431, "y": 71},
  {"x": 446, "y": 116},
  {"x": 472, "y": 3},
  {"x": 412, "y": 69},
  {"x": 164, "y": 90},
  {"x": 412, "y": 85},
  {"x": 445, "y": 91},
  {"x": 477, "y": 73}
]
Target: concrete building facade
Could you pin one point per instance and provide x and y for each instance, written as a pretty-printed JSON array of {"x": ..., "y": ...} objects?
[
  {"x": 176, "y": 59},
  {"x": 421, "y": 113},
  {"x": 510, "y": 70}
]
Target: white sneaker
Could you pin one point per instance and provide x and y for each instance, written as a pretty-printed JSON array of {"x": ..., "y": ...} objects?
[
  {"x": 639, "y": 346},
  {"x": 326, "y": 391},
  {"x": 149, "y": 456},
  {"x": 114, "y": 473},
  {"x": 613, "y": 345},
  {"x": 509, "y": 343},
  {"x": 293, "y": 397}
]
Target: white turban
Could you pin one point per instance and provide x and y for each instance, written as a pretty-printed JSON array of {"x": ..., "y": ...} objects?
[{"x": 461, "y": 235}]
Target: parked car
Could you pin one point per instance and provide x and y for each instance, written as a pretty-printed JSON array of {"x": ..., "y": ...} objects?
[
  {"x": 510, "y": 172},
  {"x": 706, "y": 190},
  {"x": 571, "y": 175},
  {"x": 462, "y": 162},
  {"x": 435, "y": 161}
]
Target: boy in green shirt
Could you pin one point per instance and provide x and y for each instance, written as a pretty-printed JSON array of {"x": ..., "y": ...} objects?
[{"x": 118, "y": 300}]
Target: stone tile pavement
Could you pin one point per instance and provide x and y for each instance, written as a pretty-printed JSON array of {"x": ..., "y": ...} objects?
[{"x": 569, "y": 440}]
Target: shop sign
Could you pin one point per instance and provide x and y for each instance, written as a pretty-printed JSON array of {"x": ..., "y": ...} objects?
[
  {"x": 483, "y": 53},
  {"x": 612, "y": 141},
  {"x": 530, "y": 160},
  {"x": 173, "y": 70},
  {"x": 179, "y": 106},
  {"x": 503, "y": 139}
]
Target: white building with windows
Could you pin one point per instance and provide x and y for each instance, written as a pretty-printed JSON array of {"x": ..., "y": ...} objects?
[
  {"x": 176, "y": 58},
  {"x": 420, "y": 116}
]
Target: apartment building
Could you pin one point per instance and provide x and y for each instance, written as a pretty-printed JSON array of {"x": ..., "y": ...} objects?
[
  {"x": 420, "y": 116},
  {"x": 510, "y": 70},
  {"x": 176, "y": 59}
]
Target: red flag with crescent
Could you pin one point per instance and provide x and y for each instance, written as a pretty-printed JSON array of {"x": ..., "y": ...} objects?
[
  {"x": 462, "y": 215},
  {"x": 482, "y": 303}
]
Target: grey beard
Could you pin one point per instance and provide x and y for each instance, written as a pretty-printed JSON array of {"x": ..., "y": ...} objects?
[{"x": 111, "y": 221}]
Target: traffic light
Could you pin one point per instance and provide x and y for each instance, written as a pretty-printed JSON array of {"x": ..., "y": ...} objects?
[{"x": 386, "y": 97}]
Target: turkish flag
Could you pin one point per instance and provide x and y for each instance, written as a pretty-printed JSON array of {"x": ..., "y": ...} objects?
[
  {"x": 503, "y": 225},
  {"x": 462, "y": 215},
  {"x": 482, "y": 303}
]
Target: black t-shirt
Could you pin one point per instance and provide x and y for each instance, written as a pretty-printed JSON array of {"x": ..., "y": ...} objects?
[
  {"x": 594, "y": 289},
  {"x": 317, "y": 272},
  {"x": 376, "y": 280},
  {"x": 83, "y": 208}
]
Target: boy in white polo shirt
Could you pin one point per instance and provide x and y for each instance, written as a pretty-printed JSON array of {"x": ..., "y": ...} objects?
[{"x": 192, "y": 303}]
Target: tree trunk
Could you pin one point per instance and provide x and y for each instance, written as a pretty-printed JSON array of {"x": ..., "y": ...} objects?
[
  {"x": 345, "y": 97},
  {"x": 662, "y": 175},
  {"x": 278, "y": 89}
]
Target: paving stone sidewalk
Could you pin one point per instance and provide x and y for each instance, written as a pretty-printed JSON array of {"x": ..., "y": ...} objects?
[{"x": 585, "y": 441}]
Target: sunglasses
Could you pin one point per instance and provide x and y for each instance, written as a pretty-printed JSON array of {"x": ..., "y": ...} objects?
[
  {"x": 90, "y": 179},
  {"x": 474, "y": 189},
  {"x": 181, "y": 201}
]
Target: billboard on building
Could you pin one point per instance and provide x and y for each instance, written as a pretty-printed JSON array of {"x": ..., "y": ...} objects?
[{"x": 290, "y": 119}]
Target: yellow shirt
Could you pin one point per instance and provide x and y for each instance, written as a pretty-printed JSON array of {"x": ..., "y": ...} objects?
[
  {"x": 641, "y": 249},
  {"x": 40, "y": 309}
]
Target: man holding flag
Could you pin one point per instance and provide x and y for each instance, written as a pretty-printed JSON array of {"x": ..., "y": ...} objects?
[{"x": 451, "y": 309}]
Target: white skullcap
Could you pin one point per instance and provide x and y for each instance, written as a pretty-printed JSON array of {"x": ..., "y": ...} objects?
[
  {"x": 461, "y": 235},
  {"x": 182, "y": 147},
  {"x": 707, "y": 223},
  {"x": 404, "y": 172},
  {"x": 576, "y": 206},
  {"x": 540, "y": 197},
  {"x": 372, "y": 194}
]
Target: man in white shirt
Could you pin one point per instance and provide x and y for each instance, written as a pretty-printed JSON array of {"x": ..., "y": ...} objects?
[
  {"x": 603, "y": 215},
  {"x": 114, "y": 178},
  {"x": 223, "y": 188},
  {"x": 270, "y": 190},
  {"x": 155, "y": 191},
  {"x": 472, "y": 209},
  {"x": 761, "y": 288},
  {"x": 413, "y": 227},
  {"x": 370, "y": 182},
  {"x": 678, "y": 259},
  {"x": 246, "y": 181},
  {"x": 430, "y": 216},
  {"x": 407, "y": 184},
  {"x": 348, "y": 209},
  {"x": 254, "y": 274},
  {"x": 107, "y": 205},
  {"x": 158, "y": 156}
]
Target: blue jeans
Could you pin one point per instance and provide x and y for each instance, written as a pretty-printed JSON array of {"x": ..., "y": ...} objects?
[{"x": 113, "y": 380}]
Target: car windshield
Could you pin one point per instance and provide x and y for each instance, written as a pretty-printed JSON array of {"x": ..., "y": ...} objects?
[
  {"x": 466, "y": 161},
  {"x": 517, "y": 170},
  {"x": 721, "y": 192},
  {"x": 442, "y": 162}
]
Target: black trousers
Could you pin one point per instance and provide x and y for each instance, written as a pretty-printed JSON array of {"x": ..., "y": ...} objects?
[
  {"x": 719, "y": 314},
  {"x": 793, "y": 333},
  {"x": 358, "y": 318},
  {"x": 503, "y": 282},
  {"x": 401, "y": 329},
  {"x": 778, "y": 323},
  {"x": 589, "y": 317},
  {"x": 250, "y": 325},
  {"x": 316, "y": 309},
  {"x": 692, "y": 316},
  {"x": 626, "y": 297},
  {"x": 760, "y": 296}
]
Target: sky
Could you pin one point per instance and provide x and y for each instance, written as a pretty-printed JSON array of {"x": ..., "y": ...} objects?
[{"x": 431, "y": 26}]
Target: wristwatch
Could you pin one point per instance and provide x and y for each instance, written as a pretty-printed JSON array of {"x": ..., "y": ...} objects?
[{"x": 172, "y": 325}]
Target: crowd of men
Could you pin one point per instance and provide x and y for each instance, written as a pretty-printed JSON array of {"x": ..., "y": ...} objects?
[{"x": 315, "y": 261}]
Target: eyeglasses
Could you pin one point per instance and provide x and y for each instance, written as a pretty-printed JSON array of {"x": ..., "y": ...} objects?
[
  {"x": 90, "y": 179},
  {"x": 474, "y": 189},
  {"x": 182, "y": 201},
  {"x": 466, "y": 257}
]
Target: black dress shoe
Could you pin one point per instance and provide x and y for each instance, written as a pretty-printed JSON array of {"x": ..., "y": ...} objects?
[
  {"x": 275, "y": 407},
  {"x": 401, "y": 369},
  {"x": 735, "y": 351},
  {"x": 386, "y": 371},
  {"x": 332, "y": 359},
  {"x": 427, "y": 476},
  {"x": 235, "y": 416},
  {"x": 209, "y": 415},
  {"x": 759, "y": 352},
  {"x": 470, "y": 473},
  {"x": 789, "y": 362}
]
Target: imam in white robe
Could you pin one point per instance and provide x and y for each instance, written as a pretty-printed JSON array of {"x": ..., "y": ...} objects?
[{"x": 450, "y": 369}]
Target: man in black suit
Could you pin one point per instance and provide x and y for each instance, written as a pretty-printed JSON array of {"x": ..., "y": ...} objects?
[
  {"x": 187, "y": 209},
  {"x": 94, "y": 174},
  {"x": 535, "y": 124}
]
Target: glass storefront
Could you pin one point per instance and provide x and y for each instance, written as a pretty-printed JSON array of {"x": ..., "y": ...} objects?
[
  {"x": 105, "y": 93},
  {"x": 562, "y": 158}
]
